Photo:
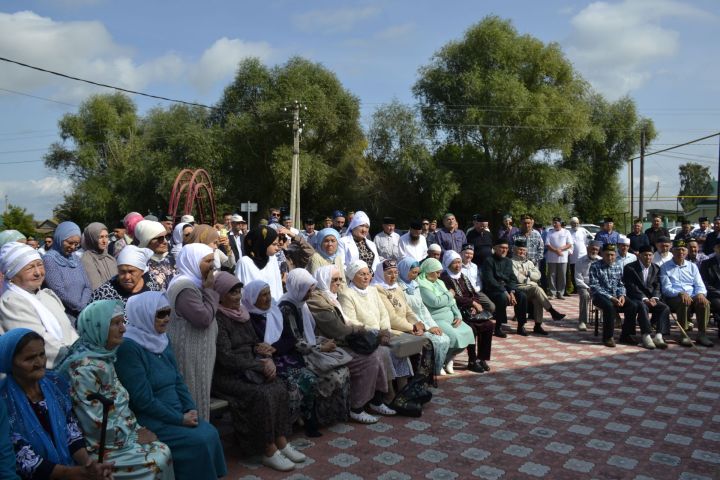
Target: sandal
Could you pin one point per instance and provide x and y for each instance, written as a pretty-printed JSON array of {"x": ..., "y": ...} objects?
[{"x": 363, "y": 417}]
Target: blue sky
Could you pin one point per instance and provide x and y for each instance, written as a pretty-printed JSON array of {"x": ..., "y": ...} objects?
[{"x": 661, "y": 52}]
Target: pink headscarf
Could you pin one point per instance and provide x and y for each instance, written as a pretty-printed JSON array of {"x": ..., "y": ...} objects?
[
  {"x": 130, "y": 220},
  {"x": 224, "y": 282}
]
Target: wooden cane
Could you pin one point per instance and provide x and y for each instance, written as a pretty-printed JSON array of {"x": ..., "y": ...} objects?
[
  {"x": 682, "y": 330},
  {"x": 106, "y": 403}
]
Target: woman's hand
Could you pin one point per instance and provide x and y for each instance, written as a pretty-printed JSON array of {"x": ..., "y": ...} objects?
[
  {"x": 384, "y": 336},
  {"x": 418, "y": 328},
  {"x": 478, "y": 308},
  {"x": 328, "y": 346},
  {"x": 190, "y": 418},
  {"x": 456, "y": 323},
  {"x": 264, "y": 349},
  {"x": 451, "y": 292},
  {"x": 436, "y": 331},
  {"x": 269, "y": 368},
  {"x": 146, "y": 436},
  {"x": 209, "y": 279}
]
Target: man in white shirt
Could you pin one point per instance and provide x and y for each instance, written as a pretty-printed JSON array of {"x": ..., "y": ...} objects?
[
  {"x": 558, "y": 243},
  {"x": 413, "y": 243},
  {"x": 388, "y": 241},
  {"x": 582, "y": 281},
  {"x": 580, "y": 237},
  {"x": 624, "y": 256},
  {"x": 662, "y": 251},
  {"x": 469, "y": 269}
]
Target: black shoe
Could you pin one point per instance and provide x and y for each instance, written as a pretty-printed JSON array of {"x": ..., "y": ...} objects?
[
  {"x": 521, "y": 331},
  {"x": 484, "y": 365},
  {"x": 499, "y": 332},
  {"x": 556, "y": 315},
  {"x": 475, "y": 367},
  {"x": 627, "y": 340},
  {"x": 539, "y": 329}
]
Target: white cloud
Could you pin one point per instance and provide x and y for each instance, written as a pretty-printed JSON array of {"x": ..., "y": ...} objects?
[
  {"x": 333, "y": 20},
  {"x": 39, "y": 197},
  {"x": 619, "y": 46},
  {"x": 86, "y": 49},
  {"x": 395, "y": 32},
  {"x": 222, "y": 58}
]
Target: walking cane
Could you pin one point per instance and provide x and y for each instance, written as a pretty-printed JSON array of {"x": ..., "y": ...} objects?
[
  {"x": 106, "y": 403},
  {"x": 682, "y": 330}
]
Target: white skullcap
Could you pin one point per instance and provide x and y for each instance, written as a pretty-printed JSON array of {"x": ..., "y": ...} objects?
[
  {"x": 354, "y": 267},
  {"x": 623, "y": 240},
  {"x": 575, "y": 219},
  {"x": 434, "y": 248},
  {"x": 135, "y": 257},
  {"x": 146, "y": 230},
  {"x": 187, "y": 219}
]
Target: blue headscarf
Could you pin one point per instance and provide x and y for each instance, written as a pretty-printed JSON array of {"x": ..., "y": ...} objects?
[
  {"x": 64, "y": 231},
  {"x": 23, "y": 419},
  {"x": 327, "y": 232},
  {"x": 404, "y": 267}
]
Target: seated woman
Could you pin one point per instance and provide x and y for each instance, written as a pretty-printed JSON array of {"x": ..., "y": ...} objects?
[
  {"x": 7, "y": 455},
  {"x": 354, "y": 245},
  {"x": 64, "y": 273},
  {"x": 332, "y": 398},
  {"x": 43, "y": 429},
  {"x": 161, "y": 265},
  {"x": 158, "y": 395},
  {"x": 8, "y": 236},
  {"x": 368, "y": 374},
  {"x": 99, "y": 265},
  {"x": 326, "y": 251},
  {"x": 193, "y": 329},
  {"x": 472, "y": 303},
  {"x": 132, "y": 276},
  {"x": 134, "y": 451},
  {"x": 441, "y": 304},
  {"x": 245, "y": 375},
  {"x": 259, "y": 261},
  {"x": 408, "y": 270},
  {"x": 25, "y": 304}
]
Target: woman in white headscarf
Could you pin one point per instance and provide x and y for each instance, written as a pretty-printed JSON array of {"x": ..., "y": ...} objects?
[
  {"x": 180, "y": 233},
  {"x": 161, "y": 265},
  {"x": 355, "y": 244},
  {"x": 25, "y": 304},
  {"x": 132, "y": 276},
  {"x": 99, "y": 265},
  {"x": 193, "y": 329}
]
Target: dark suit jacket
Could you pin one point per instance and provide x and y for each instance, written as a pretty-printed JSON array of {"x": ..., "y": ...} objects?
[
  {"x": 710, "y": 273},
  {"x": 633, "y": 279},
  {"x": 231, "y": 237},
  {"x": 497, "y": 275}
]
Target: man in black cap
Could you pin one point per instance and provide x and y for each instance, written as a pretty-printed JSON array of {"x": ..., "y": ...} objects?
[
  {"x": 388, "y": 241},
  {"x": 710, "y": 273},
  {"x": 656, "y": 230},
  {"x": 608, "y": 235},
  {"x": 608, "y": 293},
  {"x": 637, "y": 237},
  {"x": 702, "y": 231},
  {"x": 712, "y": 238},
  {"x": 662, "y": 251},
  {"x": 501, "y": 285},
  {"x": 168, "y": 224},
  {"x": 685, "y": 232},
  {"x": 413, "y": 243},
  {"x": 481, "y": 239},
  {"x": 642, "y": 282}
]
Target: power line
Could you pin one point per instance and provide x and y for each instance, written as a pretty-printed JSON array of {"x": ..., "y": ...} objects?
[
  {"x": 676, "y": 146},
  {"x": 38, "y": 97},
  {"x": 105, "y": 85}
]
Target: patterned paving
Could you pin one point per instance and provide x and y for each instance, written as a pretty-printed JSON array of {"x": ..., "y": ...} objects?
[{"x": 558, "y": 407}]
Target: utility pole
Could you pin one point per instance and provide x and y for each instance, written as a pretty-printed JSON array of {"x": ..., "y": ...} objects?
[
  {"x": 632, "y": 190},
  {"x": 295, "y": 172},
  {"x": 717, "y": 183},
  {"x": 641, "y": 212}
]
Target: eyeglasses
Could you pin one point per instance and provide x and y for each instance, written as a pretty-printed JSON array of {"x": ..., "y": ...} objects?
[
  {"x": 337, "y": 279},
  {"x": 162, "y": 313},
  {"x": 275, "y": 215},
  {"x": 159, "y": 239}
]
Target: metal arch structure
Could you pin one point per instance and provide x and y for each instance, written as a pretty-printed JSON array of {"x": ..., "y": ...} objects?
[{"x": 195, "y": 187}]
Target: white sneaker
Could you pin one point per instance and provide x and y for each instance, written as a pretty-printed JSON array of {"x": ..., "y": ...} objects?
[
  {"x": 442, "y": 372},
  {"x": 449, "y": 368},
  {"x": 292, "y": 454},
  {"x": 363, "y": 417},
  {"x": 582, "y": 327},
  {"x": 278, "y": 461},
  {"x": 647, "y": 342},
  {"x": 382, "y": 409}
]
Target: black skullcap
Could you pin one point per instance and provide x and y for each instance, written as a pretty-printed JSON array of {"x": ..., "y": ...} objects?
[
  {"x": 286, "y": 218},
  {"x": 501, "y": 241},
  {"x": 608, "y": 220},
  {"x": 662, "y": 240},
  {"x": 520, "y": 242},
  {"x": 557, "y": 219},
  {"x": 468, "y": 246},
  {"x": 478, "y": 218},
  {"x": 679, "y": 243},
  {"x": 388, "y": 221},
  {"x": 715, "y": 219},
  {"x": 702, "y": 219},
  {"x": 609, "y": 247},
  {"x": 309, "y": 221},
  {"x": 685, "y": 222},
  {"x": 645, "y": 248},
  {"x": 416, "y": 225},
  {"x": 388, "y": 264}
]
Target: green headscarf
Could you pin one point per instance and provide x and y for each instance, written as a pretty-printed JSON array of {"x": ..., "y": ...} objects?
[
  {"x": 427, "y": 266},
  {"x": 93, "y": 325}
]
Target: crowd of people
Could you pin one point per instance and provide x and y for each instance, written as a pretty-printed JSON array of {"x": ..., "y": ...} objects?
[{"x": 114, "y": 342}]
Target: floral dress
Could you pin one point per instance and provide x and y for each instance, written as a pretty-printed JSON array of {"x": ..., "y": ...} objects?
[{"x": 162, "y": 271}]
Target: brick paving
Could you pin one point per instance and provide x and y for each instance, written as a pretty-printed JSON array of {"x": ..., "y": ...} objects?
[{"x": 557, "y": 407}]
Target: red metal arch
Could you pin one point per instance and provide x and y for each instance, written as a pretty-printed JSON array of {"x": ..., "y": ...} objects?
[{"x": 196, "y": 188}]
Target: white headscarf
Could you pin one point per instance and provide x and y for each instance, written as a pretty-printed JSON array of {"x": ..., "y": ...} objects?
[
  {"x": 177, "y": 239},
  {"x": 273, "y": 315},
  {"x": 379, "y": 278},
  {"x": 351, "y": 270},
  {"x": 360, "y": 218},
  {"x": 14, "y": 257},
  {"x": 298, "y": 283},
  {"x": 188, "y": 263},
  {"x": 146, "y": 230},
  {"x": 448, "y": 257},
  {"x": 140, "y": 312},
  {"x": 135, "y": 257},
  {"x": 323, "y": 276}
]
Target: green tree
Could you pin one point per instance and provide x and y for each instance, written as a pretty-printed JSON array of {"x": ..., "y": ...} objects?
[
  {"x": 695, "y": 180},
  {"x": 597, "y": 158},
  {"x": 409, "y": 182},
  {"x": 17, "y": 218},
  {"x": 505, "y": 107}
]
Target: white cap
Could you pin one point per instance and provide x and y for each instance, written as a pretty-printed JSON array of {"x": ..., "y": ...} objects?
[
  {"x": 574, "y": 219},
  {"x": 237, "y": 218},
  {"x": 434, "y": 248},
  {"x": 623, "y": 240},
  {"x": 187, "y": 219}
]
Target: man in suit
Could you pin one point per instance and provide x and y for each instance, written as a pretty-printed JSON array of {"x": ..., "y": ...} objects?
[
  {"x": 710, "y": 273},
  {"x": 642, "y": 284},
  {"x": 501, "y": 285},
  {"x": 236, "y": 236}
]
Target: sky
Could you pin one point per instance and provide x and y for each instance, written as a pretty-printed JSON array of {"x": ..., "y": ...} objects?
[{"x": 662, "y": 53}]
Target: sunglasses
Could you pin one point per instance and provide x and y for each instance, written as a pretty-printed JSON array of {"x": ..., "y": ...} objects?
[
  {"x": 337, "y": 279},
  {"x": 161, "y": 314},
  {"x": 159, "y": 240}
]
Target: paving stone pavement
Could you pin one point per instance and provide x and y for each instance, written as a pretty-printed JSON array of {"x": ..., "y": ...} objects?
[{"x": 557, "y": 407}]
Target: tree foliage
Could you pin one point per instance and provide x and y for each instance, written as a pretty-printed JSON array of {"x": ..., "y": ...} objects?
[
  {"x": 17, "y": 218},
  {"x": 695, "y": 180}
]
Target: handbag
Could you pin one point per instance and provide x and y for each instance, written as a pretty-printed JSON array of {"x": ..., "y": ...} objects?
[
  {"x": 406, "y": 345},
  {"x": 410, "y": 399},
  {"x": 363, "y": 342},
  {"x": 477, "y": 317}
]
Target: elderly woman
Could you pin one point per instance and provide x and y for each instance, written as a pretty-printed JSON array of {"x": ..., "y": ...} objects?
[
  {"x": 224, "y": 256},
  {"x": 158, "y": 395},
  {"x": 132, "y": 276},
  {"x": 99, "y": 265},
  {"x": 470, "y": 303},
  {"x": 180, "y": 233},
  {"x": 246, "y": 375},
  {"x": 408, "y": 270},
  {"x": 193, "y": 329},
  {"x": 25, "y": 304},
  {"x": 133, "y": 450},
  {"x": 326, "y": 251},
  {"x": 441, "y": 304},
  {"x": 8, "y": 236},
  {"x": 7, "y": 455},
  {"x": 259, "y": 261},
  {"x": 47, "y": 440},
  {"x": 355, "y": 245},
  {"x": 368, "y": 374},
  {"x": 64, "y": 273},
  {"x": 161, "y": 266}
]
